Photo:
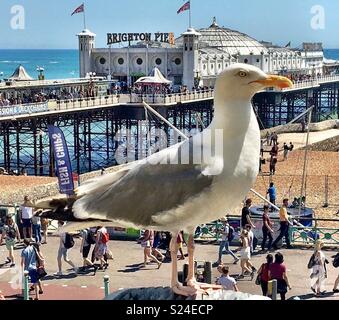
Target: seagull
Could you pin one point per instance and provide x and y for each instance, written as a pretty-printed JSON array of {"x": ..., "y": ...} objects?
[{"x": 186, "y": 185}]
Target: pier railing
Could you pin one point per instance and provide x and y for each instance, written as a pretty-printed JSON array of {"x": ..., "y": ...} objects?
[
  {"x": 54, "y": 105},
  {"x": 168, "y": 98},
  {"x": 311, "y": 83},
  {"x": 58, "y": 105}
]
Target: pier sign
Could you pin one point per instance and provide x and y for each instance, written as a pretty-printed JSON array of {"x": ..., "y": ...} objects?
[
  {"x": 113, "y": 38},
  {"x": 62, "y": 160},
  {"x": 23, "y": 109}
]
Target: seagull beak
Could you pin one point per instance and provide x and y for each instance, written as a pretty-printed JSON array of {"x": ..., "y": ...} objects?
[{"x": 275, "y": 81}]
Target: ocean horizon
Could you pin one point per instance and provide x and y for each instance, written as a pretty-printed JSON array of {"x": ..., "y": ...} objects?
[{"x": 60, "y": 63}]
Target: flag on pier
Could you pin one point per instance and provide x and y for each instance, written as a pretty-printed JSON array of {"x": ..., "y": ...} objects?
[
  {"x": 186, "y": 6},
  {"x": 62, "y": 160},
  {"x": 79, "y": 9}
]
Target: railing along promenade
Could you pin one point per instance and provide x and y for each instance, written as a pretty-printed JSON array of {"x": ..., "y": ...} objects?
[
  {"x": 301, "y": 235},
  {"x": 134, "y": 98}
]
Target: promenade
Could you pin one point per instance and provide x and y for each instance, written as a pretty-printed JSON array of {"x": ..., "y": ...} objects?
[{"x": 126, "y": 271}]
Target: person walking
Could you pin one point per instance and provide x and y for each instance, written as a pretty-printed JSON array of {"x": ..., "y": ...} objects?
[
  {"x": 286, "y": 150},
  {"x": 246, "y": 214},
  {"x": 277, "y": 271},
  {"x": 272, "y": 193},
  {"x": 228, "y": 283},
  {"x": 10, "y": 232},
  {"x": 26, "y": 214},
  {"x": 88, "y": 238},
  {"x": 319, "y": 272},
  {"x": 336, "y": 265},
  {"x": 29, "y": 263},
  {"x": 245, "y": 255},
  {"x": 44, "y": 229},
  {"x": 267, "y": 230},
  {"x": 291, "y": 147},
  {"x": 36, "y": 224},
  {"x": 284, "y": 226},
  {"x": 102, "y": 239},
  {"x": 40, "y": 267},
  {"x": 65, "y": 244},
  {"x": 180, "y": 242},
  {"x": 227, "y": 234},
  {"x": 263, "y": 274},
  {"x": 146, "y": 243},
  {"x": 155, "y": 247}
]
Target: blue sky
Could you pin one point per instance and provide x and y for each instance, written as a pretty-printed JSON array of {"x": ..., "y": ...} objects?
[{"x": 48, "y": 24}]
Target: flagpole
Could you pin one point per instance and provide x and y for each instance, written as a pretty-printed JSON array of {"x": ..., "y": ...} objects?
[
  {"x": 190, "y": 17},
  {"x": 84, "y": 17}
]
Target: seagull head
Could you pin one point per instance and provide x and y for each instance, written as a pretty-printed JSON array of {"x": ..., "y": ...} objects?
[{"x": 243, "y": 81}]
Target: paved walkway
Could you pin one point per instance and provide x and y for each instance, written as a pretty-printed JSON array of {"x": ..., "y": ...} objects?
[
  {"x": 299, "y": 139},
  {"x": 126, "y": 271}
]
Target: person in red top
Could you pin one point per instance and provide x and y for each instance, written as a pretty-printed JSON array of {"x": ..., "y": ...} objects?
[
  {"x": 277, "y": 271},
  {"x": 267, "y": 230},
  {"x": 263, "y": 273}
]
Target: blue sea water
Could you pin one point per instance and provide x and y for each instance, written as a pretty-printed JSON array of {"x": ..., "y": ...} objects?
[
  {"x": 331, "y": 54},
  {"x": 57, "y": 63},
  {"x": 60, "y": 63}
]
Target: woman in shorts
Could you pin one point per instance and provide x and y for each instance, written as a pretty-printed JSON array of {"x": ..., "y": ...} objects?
[
  {"x": 10, "y": 233},
  {"x": 245, "y": 254},
  {"x": 147, "y": 244}
]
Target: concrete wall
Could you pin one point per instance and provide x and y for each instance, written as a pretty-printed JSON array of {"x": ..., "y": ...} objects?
[{"x": 331, "y": 145}]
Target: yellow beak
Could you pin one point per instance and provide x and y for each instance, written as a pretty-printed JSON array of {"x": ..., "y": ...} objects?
[{"x": 275, "y": 81}]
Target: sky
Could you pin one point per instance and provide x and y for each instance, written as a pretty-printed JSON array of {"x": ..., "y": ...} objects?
[{"x": 49, "y": 25}]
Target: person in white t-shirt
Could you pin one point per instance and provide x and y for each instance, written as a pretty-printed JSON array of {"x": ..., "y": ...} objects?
[
  {"x": 227, "y": 282},
  {"x": 26, "y": 214}
]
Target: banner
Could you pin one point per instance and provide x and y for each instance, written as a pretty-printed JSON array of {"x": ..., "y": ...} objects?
[
  {"x": 23, "y": 109},
  {"x": 62, "y": 160}
]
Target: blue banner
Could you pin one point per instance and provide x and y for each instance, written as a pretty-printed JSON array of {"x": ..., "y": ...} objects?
[{"x": 62, "y": 160}]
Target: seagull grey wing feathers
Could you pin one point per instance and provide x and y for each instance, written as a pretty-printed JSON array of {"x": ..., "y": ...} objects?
[{"x": 147, "y": 190}]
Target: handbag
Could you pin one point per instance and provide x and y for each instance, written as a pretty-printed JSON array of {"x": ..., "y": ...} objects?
[
  {"x": 258, "y": 280},
  {"x": 41, "y": 272},
  {"x": 109, "y": 255}
]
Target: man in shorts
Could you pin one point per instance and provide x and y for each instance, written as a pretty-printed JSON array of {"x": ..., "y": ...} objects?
[{"x": 29, "y": 263}]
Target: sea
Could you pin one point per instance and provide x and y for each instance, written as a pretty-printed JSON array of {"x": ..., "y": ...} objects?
[{"x": 60, "y": 64}]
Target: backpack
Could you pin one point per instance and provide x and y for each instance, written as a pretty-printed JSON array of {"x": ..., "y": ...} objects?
[
  {"x": 336, "y": 261},
  {"x": 11, "y": 232},
  {"x": 104, "y": 237},
  {"x": 69, "y": 241},
  {"x": 311, "y": 262},
  {"x": 230, "y": 235},
  {"x": 91, "y": 237}
]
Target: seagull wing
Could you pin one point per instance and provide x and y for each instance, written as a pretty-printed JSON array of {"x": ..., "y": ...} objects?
[{"x": 147, "y": 189}]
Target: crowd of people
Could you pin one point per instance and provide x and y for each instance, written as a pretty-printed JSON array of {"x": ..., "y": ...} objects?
[
  {"x": 156, "y": 249},
  {"x": 9, "y": 99},
  {"x": 274, "y": 267},
  {"x": 271, "y": 140}
]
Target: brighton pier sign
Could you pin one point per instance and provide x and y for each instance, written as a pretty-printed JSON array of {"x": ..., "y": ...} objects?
[{"x": 113, "y": 38}]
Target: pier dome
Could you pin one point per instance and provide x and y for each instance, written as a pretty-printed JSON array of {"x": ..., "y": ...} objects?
[{"x": 230, "y": 41}]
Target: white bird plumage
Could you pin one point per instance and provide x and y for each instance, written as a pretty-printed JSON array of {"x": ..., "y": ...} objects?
[{"x": 151, "y": 195}]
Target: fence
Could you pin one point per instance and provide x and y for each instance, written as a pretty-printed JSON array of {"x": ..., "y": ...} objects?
[
  {"x": 168, "y": 98},
  {"x": 211, "y": 232}
]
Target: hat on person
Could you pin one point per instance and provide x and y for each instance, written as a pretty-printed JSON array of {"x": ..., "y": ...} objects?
[{"x": 224, "y": 219}]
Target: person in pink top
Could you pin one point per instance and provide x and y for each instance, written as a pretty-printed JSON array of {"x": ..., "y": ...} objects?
[{"x": 277, "y": 271}]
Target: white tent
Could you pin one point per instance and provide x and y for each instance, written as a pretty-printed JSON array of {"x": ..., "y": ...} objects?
[
  {"x": 20, "y": 74},
  {"x": 155, "y": 78}
]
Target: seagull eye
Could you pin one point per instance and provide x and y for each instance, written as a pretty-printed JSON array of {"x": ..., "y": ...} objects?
[{"x": 242, "y": 74}]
